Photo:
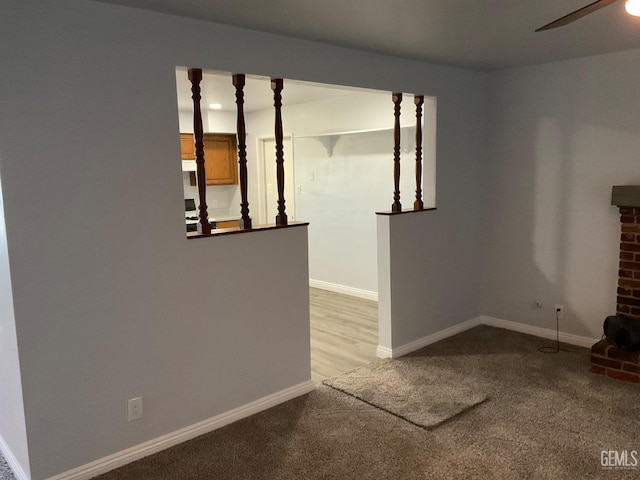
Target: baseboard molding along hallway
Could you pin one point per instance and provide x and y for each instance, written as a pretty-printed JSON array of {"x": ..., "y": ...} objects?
[{"x": 386, "y": 352}]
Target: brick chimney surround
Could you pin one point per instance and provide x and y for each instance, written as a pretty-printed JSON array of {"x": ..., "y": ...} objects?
[{"x": 606, "y": 358}]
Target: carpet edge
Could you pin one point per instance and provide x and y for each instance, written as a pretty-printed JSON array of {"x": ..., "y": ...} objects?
[{"x": 402, "y": 417}]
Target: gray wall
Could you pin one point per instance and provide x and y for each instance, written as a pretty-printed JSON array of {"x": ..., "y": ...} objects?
[
  {"x": 433, "y": 258},
  {"x": 562, "y": 135},
  {"x": 111, "y": 301}
]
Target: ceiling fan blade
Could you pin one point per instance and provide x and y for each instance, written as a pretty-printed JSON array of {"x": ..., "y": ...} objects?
[{"x": 573, "y": 16}]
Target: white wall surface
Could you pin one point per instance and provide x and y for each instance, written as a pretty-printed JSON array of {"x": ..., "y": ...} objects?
[
  {"x": 339, "y": 196},
  {"x": 562, "y": 135},
  {"x": 111, "y": 301},
  {"x": 13, "y": 433},
  {"x": 423, "y": 287},
  {"x": 355, "y": 112},
  {"x": 433, "y": 258},
  {"x": 338, "y": 192}
]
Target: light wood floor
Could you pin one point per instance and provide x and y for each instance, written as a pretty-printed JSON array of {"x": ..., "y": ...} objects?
[{"x": 344, "y": 333}]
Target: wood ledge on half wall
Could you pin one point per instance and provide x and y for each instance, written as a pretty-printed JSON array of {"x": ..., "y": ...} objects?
[
  {"x": 234, "y": 231},
  {"x": 391, "y": 213}
]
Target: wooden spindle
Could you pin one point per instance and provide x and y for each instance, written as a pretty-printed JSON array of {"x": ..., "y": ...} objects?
[
  {"x": 419, "y": 101},
  {"x": 245, "y": 219},
  {"x": 397, "y": 100},
  {"x": 276, "y": 85},
  {"x": 195, "y": 77}
]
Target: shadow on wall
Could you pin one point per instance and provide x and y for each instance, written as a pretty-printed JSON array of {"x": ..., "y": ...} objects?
[{"x": 561, "y": 138}]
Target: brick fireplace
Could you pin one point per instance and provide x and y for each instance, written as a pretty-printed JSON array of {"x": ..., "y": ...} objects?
[
  {"x": 628, "y": 300},
  {"x": 606, "y": 358}
]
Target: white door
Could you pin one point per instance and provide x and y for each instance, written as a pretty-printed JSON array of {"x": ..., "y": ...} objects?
[{"x": 268, "y": 154}]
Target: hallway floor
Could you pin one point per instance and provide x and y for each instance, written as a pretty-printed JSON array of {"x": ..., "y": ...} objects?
[{"x": 344, "y": 333}]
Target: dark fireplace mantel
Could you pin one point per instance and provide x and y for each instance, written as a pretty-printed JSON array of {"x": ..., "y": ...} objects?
[{"x": 625, "y": 196}]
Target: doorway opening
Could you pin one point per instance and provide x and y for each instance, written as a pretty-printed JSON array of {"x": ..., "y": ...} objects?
[
  {"x": 338, "y": 160},
  {"x": 267, "y": 188}
]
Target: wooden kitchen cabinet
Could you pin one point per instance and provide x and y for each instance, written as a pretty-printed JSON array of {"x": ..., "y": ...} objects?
[
  {"x": 220, "y": 159},
  {"x": 228, "y": 224},
  {"x": 187, "y": 146}
]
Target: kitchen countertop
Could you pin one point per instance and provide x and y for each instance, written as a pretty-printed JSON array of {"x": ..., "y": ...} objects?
[
  {"x": 217, "y": 218},
  {"x": 224, "y": 218}
]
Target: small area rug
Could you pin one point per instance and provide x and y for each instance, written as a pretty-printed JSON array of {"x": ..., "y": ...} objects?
[{"x": 412, "y": 388}]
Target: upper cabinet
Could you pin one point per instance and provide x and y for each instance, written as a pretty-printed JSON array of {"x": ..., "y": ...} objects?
[
  {"x": 187, "y": 146},
  {"x": 220, "y": 157}
]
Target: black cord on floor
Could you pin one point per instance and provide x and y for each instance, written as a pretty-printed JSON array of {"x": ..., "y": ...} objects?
[{"x": 555, "y": 349}]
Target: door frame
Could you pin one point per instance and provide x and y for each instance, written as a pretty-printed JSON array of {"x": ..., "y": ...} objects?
[{"x": 262, "y": 179}]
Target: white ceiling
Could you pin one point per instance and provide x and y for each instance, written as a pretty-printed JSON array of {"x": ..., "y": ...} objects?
[
  {"x": 216, "y": 87},
  {"x": 477, "y": 34}
]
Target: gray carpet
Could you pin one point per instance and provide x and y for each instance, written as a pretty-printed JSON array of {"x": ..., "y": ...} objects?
[
  {"x": 547, "y": 418},
  {"x": 413, "y": 388},
  {"x": 5, "y": 471}
]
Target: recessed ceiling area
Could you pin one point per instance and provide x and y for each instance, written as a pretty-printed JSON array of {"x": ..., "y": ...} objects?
[
  {"x": 216, "y": 88},
  {"x": 475, "y": 34}
]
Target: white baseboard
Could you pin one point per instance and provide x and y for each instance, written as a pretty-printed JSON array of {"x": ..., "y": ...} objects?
[
  {"x": 386, "y": 352},
  {"x": 137, "y": 452},
  {"x": 103, "y": 465},
  {"x": 538, "y": 331},
  {"x": 334, "y": 287},
  {"x": 12, "y": 461}
]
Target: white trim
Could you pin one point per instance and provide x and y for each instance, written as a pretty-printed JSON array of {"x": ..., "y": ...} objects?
[
  {"x": 385, "y": 352},
  {"x": 570, "y": 338},
  {"x": 352, "y": 291},
  {"x": 12, "y": 461},
  {"x": 353, "y": 132},
  {"x": 261, "y": 175},
  {"x": 163, "y": 442},
  {"x": 548, "y": 333},
  {"x": 103, "y": 465}
]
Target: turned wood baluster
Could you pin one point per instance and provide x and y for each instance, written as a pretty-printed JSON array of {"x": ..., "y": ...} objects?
[
  {"x": 195, "y": 77},
  {"x": 245, "y": 219},
  {"x": 419, "y": 101},
  {"x": 276, "y": 86},
  {"x": 397, "y": 100}
]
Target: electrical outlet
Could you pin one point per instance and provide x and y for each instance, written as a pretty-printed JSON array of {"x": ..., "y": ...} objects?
[
  {"x": 135, "y": 408},
  {"x": 560, "y": 311}
]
